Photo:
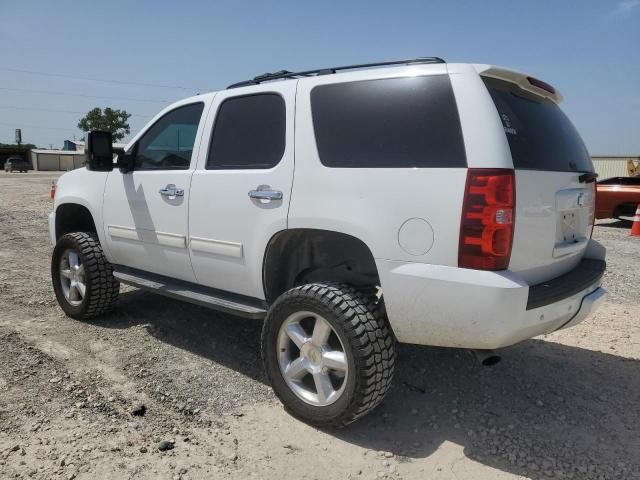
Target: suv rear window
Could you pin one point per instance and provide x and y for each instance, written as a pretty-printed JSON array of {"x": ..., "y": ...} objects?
[
  {"x": 540, "y": 135},
  {"x": 388, "y": 123}
]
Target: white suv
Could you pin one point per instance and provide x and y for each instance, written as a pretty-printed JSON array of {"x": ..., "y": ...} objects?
[{"x": 348, "y": 207}]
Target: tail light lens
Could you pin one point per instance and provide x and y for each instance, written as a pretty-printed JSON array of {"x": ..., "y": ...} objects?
[
  {"x": 536, "y": 82},
  {"x": 486, "y": 228}
]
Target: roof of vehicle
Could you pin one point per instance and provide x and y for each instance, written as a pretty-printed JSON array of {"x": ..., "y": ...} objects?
[
  {"x": 523, "y": 80},
  {"x": 287, "y": 75}
]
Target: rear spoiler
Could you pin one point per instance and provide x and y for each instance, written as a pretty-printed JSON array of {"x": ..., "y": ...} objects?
[{"x": 524, "y": 81}]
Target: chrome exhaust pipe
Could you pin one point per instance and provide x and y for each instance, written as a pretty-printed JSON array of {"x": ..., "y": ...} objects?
[{"x": 486, "y": 358}]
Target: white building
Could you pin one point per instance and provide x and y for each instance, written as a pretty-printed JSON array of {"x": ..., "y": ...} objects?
[
  {"x": 614, "y": 165},
  {"x": 62, "y": 160}
]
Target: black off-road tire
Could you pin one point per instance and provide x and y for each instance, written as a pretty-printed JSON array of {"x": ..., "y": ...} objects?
[
  {"x": 102, "y": 288},
  {"x": 359, "y": 321}
]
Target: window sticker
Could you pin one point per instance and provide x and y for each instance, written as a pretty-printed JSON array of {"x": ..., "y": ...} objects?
[{"x": 506, "y": 122}]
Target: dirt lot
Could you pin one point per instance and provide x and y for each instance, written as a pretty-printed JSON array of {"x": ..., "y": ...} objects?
[{"x": 563, "y": 406}]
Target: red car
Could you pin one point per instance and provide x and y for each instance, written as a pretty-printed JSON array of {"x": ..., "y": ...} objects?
[{"x": 617, "y": 197}]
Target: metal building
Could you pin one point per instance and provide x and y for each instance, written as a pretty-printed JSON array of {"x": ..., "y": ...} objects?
[
  {"x": 70, "y": 157},
  {"x": 56, "y": 160},
  {"x": 614, "y": 165}
]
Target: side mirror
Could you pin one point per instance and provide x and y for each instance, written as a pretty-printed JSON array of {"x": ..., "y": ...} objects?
[
  {"x": 125, "y": 160},
  {"x": 99, "y": 151}
]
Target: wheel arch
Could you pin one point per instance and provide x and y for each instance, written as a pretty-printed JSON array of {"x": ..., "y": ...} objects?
[
  {"x": 73, "y": 217},
  {"x": 624, "y": 208},
  {"x": 304, "y": 255}
]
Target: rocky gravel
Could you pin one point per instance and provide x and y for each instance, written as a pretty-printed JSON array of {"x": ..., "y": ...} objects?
[{"x": 160, "y": 389}]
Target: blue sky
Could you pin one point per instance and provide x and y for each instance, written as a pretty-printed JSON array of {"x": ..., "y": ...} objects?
[{"x": 588, "y": 49}]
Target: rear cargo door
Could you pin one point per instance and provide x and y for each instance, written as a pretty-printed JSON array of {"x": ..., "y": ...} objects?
[{"x": 555, "y": 201}]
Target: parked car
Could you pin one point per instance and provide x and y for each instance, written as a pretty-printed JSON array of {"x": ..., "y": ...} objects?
[
  {"x": 617, "y": 197},
  {"x": 13, "y": 164},
  {"x": 432, "y": 203}
]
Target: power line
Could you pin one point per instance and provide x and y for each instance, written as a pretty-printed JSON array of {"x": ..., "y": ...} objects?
[
  {"x": 48, "y": 92},
  {"x": 120, "y": 82},
  {"x": 57, "y": 111}
]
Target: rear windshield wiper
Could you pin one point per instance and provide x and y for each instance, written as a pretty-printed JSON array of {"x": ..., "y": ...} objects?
[{"x": 588, "y": 177}]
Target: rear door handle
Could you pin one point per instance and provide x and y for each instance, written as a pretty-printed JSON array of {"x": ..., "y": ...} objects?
[
  {"x": 171, "y": 191},
  {"x": 264, "y": 193}
]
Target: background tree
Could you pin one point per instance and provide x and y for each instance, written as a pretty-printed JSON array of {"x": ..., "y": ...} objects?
[
  {"x": 110, "y": 120},
  {"x": 28, "y": 146}
]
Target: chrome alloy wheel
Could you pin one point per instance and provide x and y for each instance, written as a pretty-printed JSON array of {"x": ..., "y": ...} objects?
[
  {"x": 312, "y": 358},
  {"x": 72, "y": 278}
]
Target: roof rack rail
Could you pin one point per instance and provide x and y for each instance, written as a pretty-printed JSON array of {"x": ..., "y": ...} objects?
[{"x": 285, "y": 74}]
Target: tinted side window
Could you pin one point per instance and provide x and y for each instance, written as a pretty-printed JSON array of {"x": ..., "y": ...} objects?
[
  {"x": 388, "y": 123},
  {"x": 249, "y": 132},
  {"x": 168, "y": 144},
  {"x": 540, "y": 135}
]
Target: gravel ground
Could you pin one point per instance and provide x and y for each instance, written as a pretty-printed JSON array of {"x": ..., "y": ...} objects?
[{"x": 562, "y": 406}]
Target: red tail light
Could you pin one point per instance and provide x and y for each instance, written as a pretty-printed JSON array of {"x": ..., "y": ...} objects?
[
  {"x": 540, "y": 84},
  {"x": 486, "y": 229}
]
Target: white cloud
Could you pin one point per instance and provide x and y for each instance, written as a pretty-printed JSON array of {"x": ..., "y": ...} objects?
[{"x": 624, "y": 7}]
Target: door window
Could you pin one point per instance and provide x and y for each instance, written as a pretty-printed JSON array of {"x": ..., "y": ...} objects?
[
  {"x": 168, "y": 144},
  {"x": 249, "y": 133}
]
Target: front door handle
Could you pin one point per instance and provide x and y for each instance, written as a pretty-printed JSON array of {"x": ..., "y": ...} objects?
[
  {"x": 171, "y": 191},
  {"x": 265, "y": 194}
]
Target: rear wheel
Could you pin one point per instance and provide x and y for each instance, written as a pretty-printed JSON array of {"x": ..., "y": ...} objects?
[
  {"x": 328, "y": 353},
  {"x": 82, "y": 277}
]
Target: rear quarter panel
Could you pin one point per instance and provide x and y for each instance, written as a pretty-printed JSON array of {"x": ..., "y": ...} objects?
[
  {"x": 372, "y": 204},
  {"x": 485, "y": 142}
]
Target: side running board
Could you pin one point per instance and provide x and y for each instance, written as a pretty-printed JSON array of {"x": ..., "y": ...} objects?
[{"x": 190, "y": 292}]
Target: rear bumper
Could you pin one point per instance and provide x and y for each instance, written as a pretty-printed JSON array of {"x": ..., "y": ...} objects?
[
  {"x": 588, "y": 272},
  {"x": 454, "y": 307}
]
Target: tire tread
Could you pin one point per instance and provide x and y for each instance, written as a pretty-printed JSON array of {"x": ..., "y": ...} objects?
[
  {"x": 366, "y": 326},
  {"x": 102, "y": 288}
]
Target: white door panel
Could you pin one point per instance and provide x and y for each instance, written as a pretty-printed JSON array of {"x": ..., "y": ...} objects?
[
  {"x": 146, "y": 211},
  {"x": 145, "y": 229},
  {"x": 229, "y": 231}
]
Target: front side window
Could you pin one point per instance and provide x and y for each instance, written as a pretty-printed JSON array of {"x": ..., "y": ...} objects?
[
  {"x": 249, "y": 133},
  {"x": 388, "y": 123},
  {"x": 168, "y": 144}
]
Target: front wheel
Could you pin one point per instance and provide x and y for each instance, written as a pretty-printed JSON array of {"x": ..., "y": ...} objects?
[
  {"x": 328, "y": 353},
  {"x": 82, "y": 277}
]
